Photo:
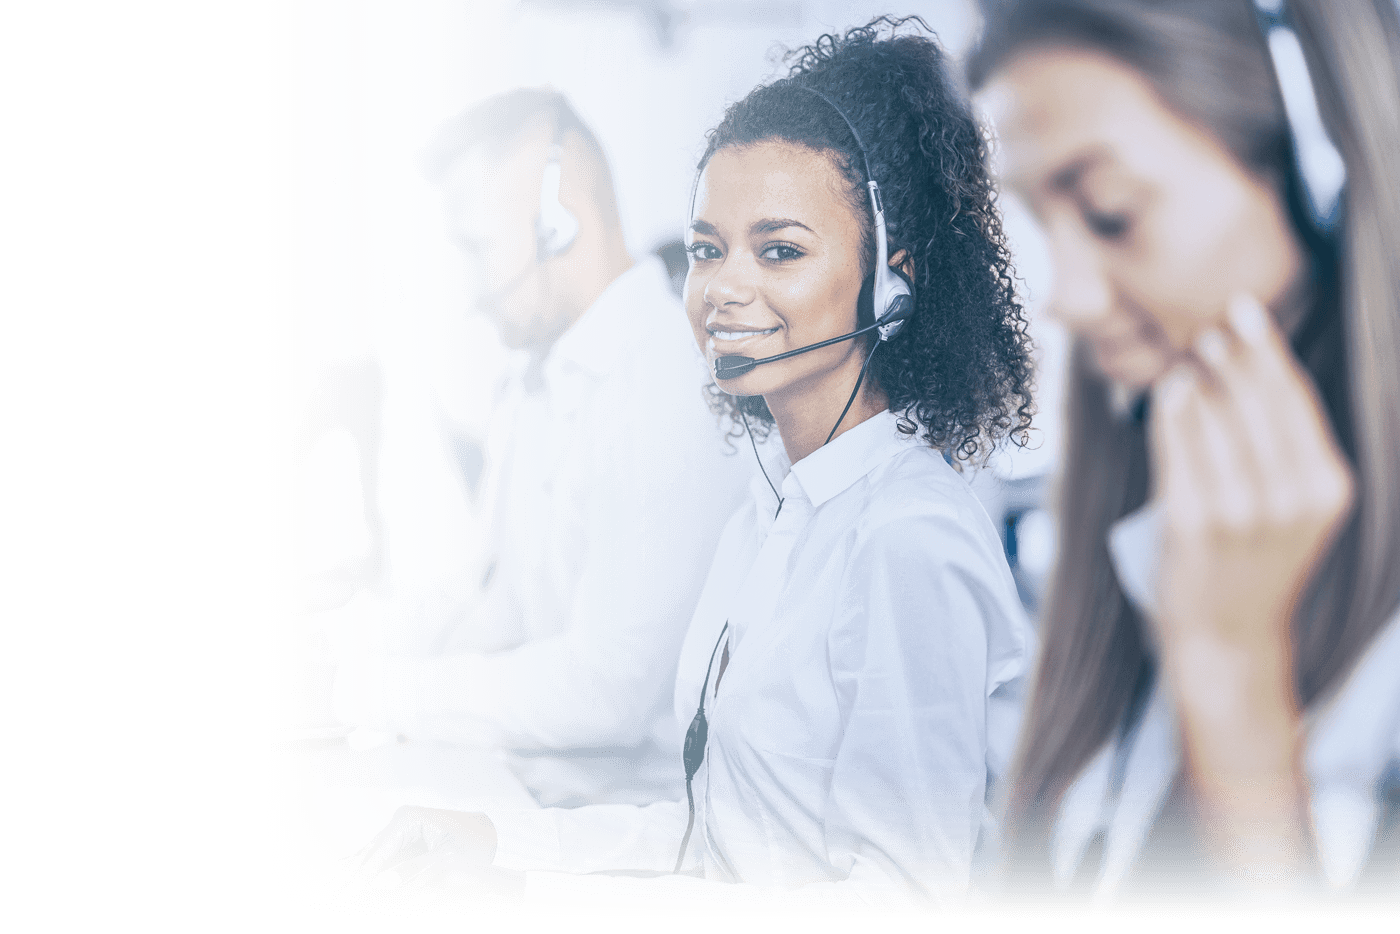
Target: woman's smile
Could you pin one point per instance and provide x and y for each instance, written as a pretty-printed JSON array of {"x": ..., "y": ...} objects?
[{"x": 734, "y": 334}]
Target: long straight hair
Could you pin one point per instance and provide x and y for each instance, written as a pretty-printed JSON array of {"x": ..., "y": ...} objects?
[{"x": 1207, "y": 60}]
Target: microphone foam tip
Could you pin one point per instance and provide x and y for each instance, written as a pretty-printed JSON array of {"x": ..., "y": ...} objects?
[{"x": 732, "y": 365}]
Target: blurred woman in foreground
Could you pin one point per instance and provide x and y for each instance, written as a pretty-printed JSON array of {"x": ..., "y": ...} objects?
[{"x": 1217, "y": 704}]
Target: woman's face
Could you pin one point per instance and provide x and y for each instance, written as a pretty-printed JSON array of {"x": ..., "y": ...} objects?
[
  {"x": 1152, "y": 224},
  {"x": 775, "y": 253}
]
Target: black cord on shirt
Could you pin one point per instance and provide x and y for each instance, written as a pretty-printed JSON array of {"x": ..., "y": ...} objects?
[
  {"x": 749, "y": 431},
  {"x": 694, "y": 752},
  {"x": 831, "y": 434},
  {"x": 859, "y": 379}
]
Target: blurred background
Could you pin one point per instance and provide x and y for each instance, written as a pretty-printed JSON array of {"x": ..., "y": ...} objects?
[{"x": 385, "y": 381}]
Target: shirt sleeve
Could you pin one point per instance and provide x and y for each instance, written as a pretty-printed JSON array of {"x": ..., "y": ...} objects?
[
  {"x": 928, "y": 630},
  {"x": 661, "y": 490}
]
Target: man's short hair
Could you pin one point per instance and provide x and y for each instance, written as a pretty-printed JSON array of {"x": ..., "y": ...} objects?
[{"x": 498, "y": 122}]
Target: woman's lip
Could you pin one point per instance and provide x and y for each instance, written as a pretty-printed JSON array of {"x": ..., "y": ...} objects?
[{"x": 726, "y": 336}]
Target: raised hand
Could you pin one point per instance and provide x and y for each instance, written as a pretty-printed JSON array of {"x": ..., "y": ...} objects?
[
  {"x": 1255, "y": 489},
  {"x": 417, "y": 832},
  {"x": 1254, "y": 483}
]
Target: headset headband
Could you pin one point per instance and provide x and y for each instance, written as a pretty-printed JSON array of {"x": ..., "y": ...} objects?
[
  {"x": 893, "y": 302},
  {"x": 1318, "y": 166},
  {"x": 860, "y": 144}
]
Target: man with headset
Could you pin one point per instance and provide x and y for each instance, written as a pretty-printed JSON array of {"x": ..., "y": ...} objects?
[{"x": 608, "y": 479}]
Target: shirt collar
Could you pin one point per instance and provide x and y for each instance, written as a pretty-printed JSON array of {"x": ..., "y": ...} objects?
[
  {"x": 1135, "y": 550},
  {"x": 832, "y": 468}
]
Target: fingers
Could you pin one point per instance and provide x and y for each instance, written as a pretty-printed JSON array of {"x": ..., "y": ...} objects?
[
  {"x": 1261, "y": 369},
  {"x": 400, "y": 841},
  {"x": 1252, "y": 479},
  {"x": 377, "y": 859},
  {"x": 423, "y": 869},
  {"x": 1242, "y": 407},
  {"x": 1269, "y": 404},
  {"x": 1263, "y": 350},
  {"x": 1330, "y": 486},
  {"x": 1179, "y": 473}
]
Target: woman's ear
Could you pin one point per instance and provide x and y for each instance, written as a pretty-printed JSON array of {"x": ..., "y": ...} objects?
[{"x": 903, "y": 262}]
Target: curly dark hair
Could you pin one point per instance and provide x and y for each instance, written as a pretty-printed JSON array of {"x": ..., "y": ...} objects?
[{"x": 960, "y": 369}]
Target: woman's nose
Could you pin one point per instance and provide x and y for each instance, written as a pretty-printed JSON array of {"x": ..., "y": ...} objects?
[
  {"x": 1081, "y": 295},
  {"x": 729, "y": 286}
]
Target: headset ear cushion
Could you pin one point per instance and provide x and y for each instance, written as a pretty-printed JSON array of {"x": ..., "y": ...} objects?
[
  {"x": 555, "y": 225},
  {"x": 555, "y": 230},
  {"x": 865, "y": 304},
  {"x": 907, "y": 281}
]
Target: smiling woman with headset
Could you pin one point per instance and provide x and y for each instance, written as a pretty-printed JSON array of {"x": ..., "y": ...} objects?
[{"x": 853, "y": 669}]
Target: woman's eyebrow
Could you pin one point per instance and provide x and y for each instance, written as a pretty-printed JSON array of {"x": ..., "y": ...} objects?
[
  {"x": 770, "y": 224},
  {"x": 767, "y": 225},
  {"x": 1068, "y": 178}
]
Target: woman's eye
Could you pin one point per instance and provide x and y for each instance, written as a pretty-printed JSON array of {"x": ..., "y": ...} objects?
[
  {"x": 702, "y": 250},
  {"x": 1107, "y": 226},
  {"x": 781, "y": 252}
]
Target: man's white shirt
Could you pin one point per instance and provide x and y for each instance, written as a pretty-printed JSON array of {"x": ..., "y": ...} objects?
[{"x": 607, "y": 484}]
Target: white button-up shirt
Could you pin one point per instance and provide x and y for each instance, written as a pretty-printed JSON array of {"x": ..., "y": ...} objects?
[
  {"x": 607, "y": 486},
  {"x": 1353, "y": 735},
  {"x": 877, "y": 650}
]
